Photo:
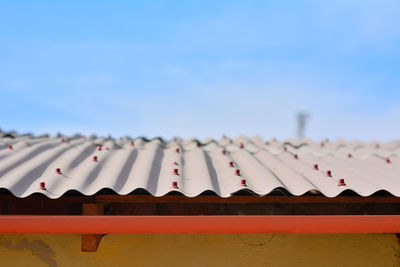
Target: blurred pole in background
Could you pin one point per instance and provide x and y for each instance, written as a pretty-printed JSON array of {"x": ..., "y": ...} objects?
[{"x": 301, "y": 124}]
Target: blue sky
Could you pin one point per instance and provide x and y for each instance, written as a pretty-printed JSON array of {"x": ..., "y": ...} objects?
[{"x": 201, "y": 68}]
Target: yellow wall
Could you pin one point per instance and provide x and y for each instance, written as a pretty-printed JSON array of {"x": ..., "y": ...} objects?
[{"x": 203, "y": 250}]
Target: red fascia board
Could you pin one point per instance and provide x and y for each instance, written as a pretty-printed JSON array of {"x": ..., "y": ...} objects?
[{"x": 92, "y": 224}]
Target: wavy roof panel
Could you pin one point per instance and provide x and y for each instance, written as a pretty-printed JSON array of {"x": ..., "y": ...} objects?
[{"x": 52, "y": 166}]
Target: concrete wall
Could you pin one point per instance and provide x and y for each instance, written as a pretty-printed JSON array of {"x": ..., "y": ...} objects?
[{"x": 203, "y": 250}]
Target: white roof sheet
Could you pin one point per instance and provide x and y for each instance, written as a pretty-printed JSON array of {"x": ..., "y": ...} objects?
[{"x": 193, "y": 166}]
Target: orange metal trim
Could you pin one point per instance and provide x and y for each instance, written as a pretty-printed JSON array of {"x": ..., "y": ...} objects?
[{"x": 88, "y": 224}]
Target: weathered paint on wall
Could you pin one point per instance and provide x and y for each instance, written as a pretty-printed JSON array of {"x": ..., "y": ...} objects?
[{"x": 203, "y": 250}]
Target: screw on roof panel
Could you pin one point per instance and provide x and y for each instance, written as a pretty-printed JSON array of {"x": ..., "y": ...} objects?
[
  {"x": 10, "y": 147},
  {"x": 177, "y": 150},
  {"x": 175, "y": 163},
  {"x": 388, "y": 160},
  {"x": 315, "y": 166},
  {"x": 94, "y": 158},
  {"x": 42, "y": 186},
  {"x": 58, "y": 171},
  {"x": 328, "y": 173},
  {"x": 241, "y": 145},
  {"x": 98, "y": 148},
  {"x": 237, "y": 172},
  {"x": 223, "y": 152},
  {"x": 349, "y": 155},
  {"x": 230, "y": 164},
  {"x": 176, "y": 172},
  {"x": 175, "y": 184},
  {"x": 341, "y": 182},
  {"x": 243, "y": 182},
  {"x": 295, "y": 156}
]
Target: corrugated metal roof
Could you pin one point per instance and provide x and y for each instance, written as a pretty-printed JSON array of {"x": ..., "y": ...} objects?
[{"x": 53, "y": 166}]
